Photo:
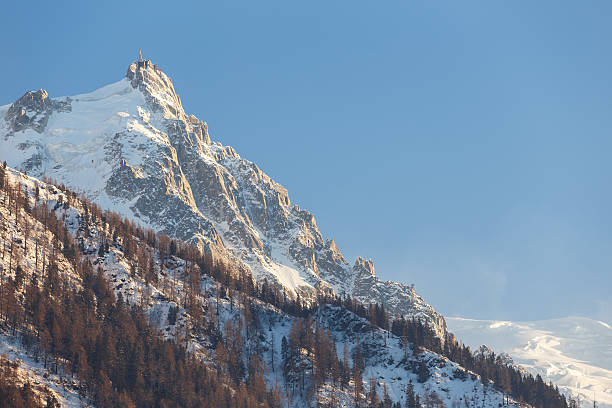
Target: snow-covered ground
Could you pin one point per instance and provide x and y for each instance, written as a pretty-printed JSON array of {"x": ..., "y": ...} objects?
[
  {"x": 33, "y": 371},
  {"x": 573, "y": 352}
]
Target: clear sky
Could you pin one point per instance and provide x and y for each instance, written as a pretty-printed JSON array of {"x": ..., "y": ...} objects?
[{"x": 464, "y": 146}]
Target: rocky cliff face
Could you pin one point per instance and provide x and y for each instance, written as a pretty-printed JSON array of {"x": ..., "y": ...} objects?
[
  {"x": 32, "y": 111},
  {"x": 399, "y": 298},
  {"x": 131, "y": 147}
]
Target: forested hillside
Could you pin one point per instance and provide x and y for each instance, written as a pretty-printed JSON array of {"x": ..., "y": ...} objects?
[{"x": 135, "y": 318}]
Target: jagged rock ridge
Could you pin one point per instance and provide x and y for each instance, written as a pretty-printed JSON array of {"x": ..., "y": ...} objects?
[{"x": 131, "y": 147}]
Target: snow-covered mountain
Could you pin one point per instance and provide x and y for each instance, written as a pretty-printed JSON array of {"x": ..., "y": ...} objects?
[
  {"x": 574, "y": 352},
  {"x": 130, "y": 147},
  {"x": 388, "y": 363}
]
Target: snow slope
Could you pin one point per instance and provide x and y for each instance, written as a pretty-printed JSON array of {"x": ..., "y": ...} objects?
[
  {"x": 573, "y": 352},
  {"x": 33, "y": 371}
]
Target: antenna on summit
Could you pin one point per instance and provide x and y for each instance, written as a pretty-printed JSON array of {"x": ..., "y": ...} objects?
[{"x": 139, "y": 55}]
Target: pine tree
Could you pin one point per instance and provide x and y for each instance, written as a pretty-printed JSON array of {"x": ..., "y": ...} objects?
[
  {"x": 358, "y": 384},
  {"x": 422, "y": 372},
  {"x": 387, "y": 401},
  {"x": 410, "y": 396},
  {"x": 346, "y": 369},
  {"x": 255, "y": 382},
  {"x": 373, "y": 399}
]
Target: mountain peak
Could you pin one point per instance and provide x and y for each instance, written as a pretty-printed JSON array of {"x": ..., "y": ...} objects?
[
  {"x": 364, "y": 266},
  {"x": 130, "y": 147},
  {"x": 156, "y": 86}
]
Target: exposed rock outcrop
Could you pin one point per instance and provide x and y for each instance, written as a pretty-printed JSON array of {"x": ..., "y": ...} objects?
[{"x": 32, "y": 111}]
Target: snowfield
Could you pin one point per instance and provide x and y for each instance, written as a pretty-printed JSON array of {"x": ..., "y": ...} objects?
[{"x": 573, "y": 352}]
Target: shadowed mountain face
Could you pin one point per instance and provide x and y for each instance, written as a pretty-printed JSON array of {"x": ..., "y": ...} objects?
[{"x": 131, "y": 147}]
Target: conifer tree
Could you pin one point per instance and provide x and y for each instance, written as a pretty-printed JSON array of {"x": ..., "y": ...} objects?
[
  {"x": 357, "y": 384},
  {"x": 410, "y": 396}
]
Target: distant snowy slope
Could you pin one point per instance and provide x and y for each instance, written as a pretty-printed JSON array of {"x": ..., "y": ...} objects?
[{"x": 573, "y": 352}]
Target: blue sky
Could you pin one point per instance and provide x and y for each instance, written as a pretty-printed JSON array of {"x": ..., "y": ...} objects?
[{"x": 464, "y": 146}]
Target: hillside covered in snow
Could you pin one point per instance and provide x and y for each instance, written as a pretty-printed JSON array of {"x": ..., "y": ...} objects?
[{"x": 109, "y": 313}]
